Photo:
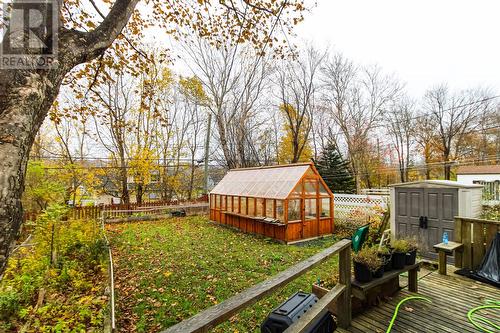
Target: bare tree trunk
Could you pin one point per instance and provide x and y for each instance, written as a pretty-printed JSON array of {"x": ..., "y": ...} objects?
[{"x": 139, "y": 194}]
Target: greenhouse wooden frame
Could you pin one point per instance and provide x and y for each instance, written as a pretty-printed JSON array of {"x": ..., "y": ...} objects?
[{"x": 289, "y": 203}]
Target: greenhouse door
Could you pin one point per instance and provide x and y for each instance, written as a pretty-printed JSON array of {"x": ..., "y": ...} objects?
[
  {"x": 310, "y": 226},
  {"x": 425, "y": 213}
]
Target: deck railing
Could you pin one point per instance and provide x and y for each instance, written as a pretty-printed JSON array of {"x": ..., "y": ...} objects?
[
  {"x": 215, "y": 315},
  {"x": 476, "y": 235}
]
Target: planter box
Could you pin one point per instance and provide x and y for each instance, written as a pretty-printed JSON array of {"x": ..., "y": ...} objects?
[
  {"x": 319, "y": 291},
  {"x": 373, "y": 297}
]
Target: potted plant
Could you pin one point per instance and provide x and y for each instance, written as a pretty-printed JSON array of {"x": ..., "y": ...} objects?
[
  {"x": 411, "y": 254},
  {"x": 366, "y": 262},
  {"x": 385, "y": 253},
  {"x": 399, "y": 249}
]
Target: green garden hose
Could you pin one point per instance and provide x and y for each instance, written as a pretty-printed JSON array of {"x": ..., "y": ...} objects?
[
  {"x": 475, "y": 319},
  {"x": 399, "y": 305}
]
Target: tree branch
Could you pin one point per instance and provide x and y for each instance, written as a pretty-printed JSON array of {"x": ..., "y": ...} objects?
[{"x": 99, "y": 39}]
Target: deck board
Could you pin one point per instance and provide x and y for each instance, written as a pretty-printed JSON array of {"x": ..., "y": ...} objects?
[{"x": 452, "y": 297}]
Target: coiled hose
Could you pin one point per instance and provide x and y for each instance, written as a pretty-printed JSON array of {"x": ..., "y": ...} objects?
[
  {"x": 479, "y": 321},
  {"x": 476, "y": 320}
]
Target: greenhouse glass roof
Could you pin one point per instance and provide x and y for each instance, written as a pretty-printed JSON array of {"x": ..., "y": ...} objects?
[{"x": 267, "y": 182}]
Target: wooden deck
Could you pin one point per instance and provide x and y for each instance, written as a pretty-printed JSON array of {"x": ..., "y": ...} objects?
[{"x": 452, "y": 297}]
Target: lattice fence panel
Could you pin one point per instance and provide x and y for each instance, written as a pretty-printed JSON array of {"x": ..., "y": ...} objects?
[{"x": 354, "y": 206}]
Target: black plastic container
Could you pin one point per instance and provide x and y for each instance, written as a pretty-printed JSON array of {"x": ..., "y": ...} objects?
[
  {"x": 398, "y": 260},
  {"x": 291, "y": 310},
  {"x": 378, "y": 273},
  {"x": 411, "y": 257},
  {"x": 387, "y": 258},
  {"x": 362, "y": 273}
]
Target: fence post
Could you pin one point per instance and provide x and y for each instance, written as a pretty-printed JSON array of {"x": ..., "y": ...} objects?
[{"x": 344, "y": 303}]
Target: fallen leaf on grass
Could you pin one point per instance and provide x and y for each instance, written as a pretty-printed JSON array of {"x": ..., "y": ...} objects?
[{"x": 407, "y": 308}]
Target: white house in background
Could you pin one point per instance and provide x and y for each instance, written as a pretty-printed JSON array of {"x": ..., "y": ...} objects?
[{"x": 486, "y": 175}]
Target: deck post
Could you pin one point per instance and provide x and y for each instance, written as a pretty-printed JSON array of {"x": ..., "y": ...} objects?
[
  {"x": 413, "y": 279},
  {"x": 467, "y": 241},
  {"x": 458, "y": 238},
  {"x": 344, "y": 303}
]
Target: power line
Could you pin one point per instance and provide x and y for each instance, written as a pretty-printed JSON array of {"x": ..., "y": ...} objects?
[
  {"x": 412, "y": 168},
  {"x": 97, "y": 159}
]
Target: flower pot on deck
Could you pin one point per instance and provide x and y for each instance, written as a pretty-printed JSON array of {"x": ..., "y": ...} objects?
[
  {"x": 411, "y": 257},
  {"x": 362, "y": 273},
  {"x": 398, "y": 260}
]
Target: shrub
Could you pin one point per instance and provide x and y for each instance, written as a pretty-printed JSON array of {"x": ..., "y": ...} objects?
[
  {"x": 345, "y": 227},
  {"x": 491, "y": 213},
  {"x": 68, "y": 266},
  {"x": 9, "y": 303}
]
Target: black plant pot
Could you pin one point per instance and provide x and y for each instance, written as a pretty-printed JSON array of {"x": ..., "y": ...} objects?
[
  {"x": 378, "y": 273},
  {"x": 387, "y": 261},
  {"x": 398, "y": 260},
  {"x": 362, "y": 273},
  {"x": 411, "y": 257}
]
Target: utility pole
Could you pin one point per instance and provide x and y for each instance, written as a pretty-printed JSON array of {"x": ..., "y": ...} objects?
[
  {"x": 207, "y": 150},
  {"x": 378, "y": 163}
]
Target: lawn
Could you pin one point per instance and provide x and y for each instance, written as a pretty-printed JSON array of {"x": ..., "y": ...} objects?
[{"x": 168, "y": 271}]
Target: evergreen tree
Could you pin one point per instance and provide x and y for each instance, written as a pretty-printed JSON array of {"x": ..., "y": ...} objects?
[{"x": 335, "y": 170}]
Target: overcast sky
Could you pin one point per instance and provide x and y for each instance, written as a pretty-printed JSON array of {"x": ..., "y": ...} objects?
[{"x": 424, "y": 42}]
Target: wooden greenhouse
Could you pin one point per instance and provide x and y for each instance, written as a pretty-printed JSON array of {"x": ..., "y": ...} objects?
[{"x": 286, "y": 202}]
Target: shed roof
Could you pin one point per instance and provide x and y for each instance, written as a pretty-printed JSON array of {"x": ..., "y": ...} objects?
[
  {"x": 479, "y": 169},
  {"x": 435, "y": 183},
  {"x": 274, "y": 182}
]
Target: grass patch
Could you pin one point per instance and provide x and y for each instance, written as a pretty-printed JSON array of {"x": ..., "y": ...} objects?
[{"x": 168, "y": 271}]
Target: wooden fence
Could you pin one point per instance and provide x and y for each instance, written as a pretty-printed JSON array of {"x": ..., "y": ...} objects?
[
  {"x": 213, "y": 316},
  {"x": 118, "y": 210},
  {"x": 476, "y": 235}
]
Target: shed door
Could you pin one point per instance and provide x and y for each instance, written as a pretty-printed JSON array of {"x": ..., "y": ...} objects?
[
  {"x": 409, "y": 208},
  {"x": 439, "y": 205}
]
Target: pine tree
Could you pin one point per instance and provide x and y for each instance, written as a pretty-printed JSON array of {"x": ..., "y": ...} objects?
[{"x": 335, "y": 170}]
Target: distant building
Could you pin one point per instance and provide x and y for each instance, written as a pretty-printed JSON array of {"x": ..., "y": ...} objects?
[{"x": 486, "y": 175}]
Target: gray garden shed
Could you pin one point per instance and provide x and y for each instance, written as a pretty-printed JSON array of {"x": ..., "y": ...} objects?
[{"x": 425, "y": 209}]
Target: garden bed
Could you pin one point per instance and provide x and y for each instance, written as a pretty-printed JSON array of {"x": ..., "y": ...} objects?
[{"x": 167, "y": 271}]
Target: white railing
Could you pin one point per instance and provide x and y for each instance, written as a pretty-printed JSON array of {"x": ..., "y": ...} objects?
[{"x": 350, "y": 205}]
